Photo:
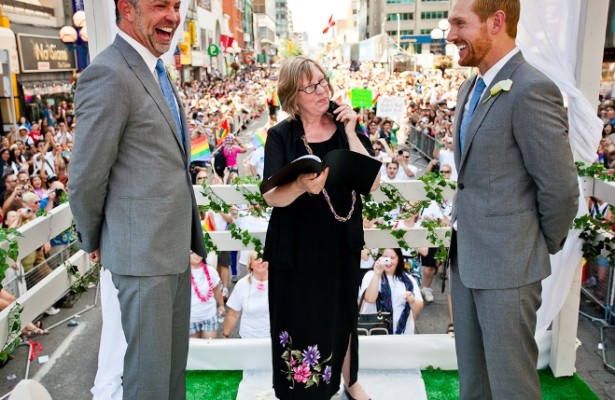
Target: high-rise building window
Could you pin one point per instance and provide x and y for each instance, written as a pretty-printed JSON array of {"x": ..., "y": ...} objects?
[
  {"x": 434, "y": 14},
  {"x": 402, "y": 16}
]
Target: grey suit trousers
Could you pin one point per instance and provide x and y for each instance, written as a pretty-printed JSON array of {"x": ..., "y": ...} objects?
[
  {"x": 146, "y": 310},
  {"x": 492, "y": 325}
]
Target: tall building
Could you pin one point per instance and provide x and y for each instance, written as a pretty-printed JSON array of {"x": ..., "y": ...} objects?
[
  {"x": 264, "y": 30},
  {"x": 283, "y": 20},
  {"x": 414, "y": 19}
]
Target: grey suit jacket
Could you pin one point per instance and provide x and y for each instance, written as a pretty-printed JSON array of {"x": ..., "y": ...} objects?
[
  {"x": 517, "y": 186},
  {"x": 129, "y": 187}
]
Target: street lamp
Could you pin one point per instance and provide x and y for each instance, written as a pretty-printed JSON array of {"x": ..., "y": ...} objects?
[
  {"x": 76, "y": 38},
  {"x": 440, "y": 33}
]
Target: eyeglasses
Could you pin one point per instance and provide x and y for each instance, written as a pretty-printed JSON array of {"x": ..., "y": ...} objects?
[
  {"x": 445, "y": 171},
  {"x": 377, "y": 149},
  {"x": 12, "y": 180},
  {"x": 24, "y": 180},
  {"x": 309, "y": 89}
]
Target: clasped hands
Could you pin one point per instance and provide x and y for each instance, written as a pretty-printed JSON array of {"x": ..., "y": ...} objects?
[{"x": 313, "y": 183}]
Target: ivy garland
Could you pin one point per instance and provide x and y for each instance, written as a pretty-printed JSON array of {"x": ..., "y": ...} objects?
[
  {"x": 434, "y": 185},
  {"x": 14, "y": 335},
  {"x": 82, "y": 282},
  {"x": 592, "y": 229}
]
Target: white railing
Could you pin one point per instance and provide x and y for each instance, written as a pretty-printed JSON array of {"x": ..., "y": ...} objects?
[{"x": 55, "y": 285}]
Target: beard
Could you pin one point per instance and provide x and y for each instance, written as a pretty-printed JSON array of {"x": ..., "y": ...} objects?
[
  {"x": 478, "y": 49},
  {"x": 149, "y": 36}
]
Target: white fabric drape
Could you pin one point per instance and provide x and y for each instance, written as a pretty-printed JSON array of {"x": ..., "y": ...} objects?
[{"x": 547, "y": 36}]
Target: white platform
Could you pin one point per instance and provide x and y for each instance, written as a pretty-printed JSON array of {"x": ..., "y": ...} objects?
[{"x": 380, "y": 384}]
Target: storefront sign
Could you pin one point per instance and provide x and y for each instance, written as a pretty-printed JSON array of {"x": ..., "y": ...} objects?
[{"x": 44, "y": 53}]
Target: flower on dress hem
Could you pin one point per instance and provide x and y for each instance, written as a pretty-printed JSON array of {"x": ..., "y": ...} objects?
[
  {"x": 302, "y": 373},
  {"x": 311, "y": 355},
  {"x": 326, "y": 375},
  {"x": 283, "y": 338},
  {"x": 501, "y": 86}
]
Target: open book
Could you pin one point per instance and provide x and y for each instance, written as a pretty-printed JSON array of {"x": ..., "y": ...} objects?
[{"x": 347, "y": 168}]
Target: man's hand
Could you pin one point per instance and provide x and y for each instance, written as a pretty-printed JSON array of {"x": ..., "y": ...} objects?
[{"x": 95, "y": 256}]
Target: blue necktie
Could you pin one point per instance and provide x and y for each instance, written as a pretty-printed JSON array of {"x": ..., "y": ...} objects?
[
  {"x": 167, "y": 91},
  {"x": 467, "y": 117}
]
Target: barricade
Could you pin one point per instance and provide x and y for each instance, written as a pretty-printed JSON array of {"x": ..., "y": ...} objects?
[{"x": 421, "y": 142}]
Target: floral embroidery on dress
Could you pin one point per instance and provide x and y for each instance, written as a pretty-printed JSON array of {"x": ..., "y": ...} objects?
[{"x": 304, "y": 366}]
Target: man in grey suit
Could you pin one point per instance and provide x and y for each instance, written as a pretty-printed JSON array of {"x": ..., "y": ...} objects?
[
  {"x": 131, "y": 194},
  {"x": 517, "y": 196}
]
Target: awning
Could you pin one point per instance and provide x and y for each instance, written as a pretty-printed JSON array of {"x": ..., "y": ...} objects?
[
  {"x": 266, "y": 41},
  {"x": 8, "y": 42}
]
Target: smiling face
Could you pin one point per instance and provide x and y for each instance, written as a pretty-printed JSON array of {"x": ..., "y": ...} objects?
[
  {"x": 150, "y": 22},
  {"x": 259, "y": 266},
  {"x": 470, "y": 35},
  {"x": 195, "y": 260}
]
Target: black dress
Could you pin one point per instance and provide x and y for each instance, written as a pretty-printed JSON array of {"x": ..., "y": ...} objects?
[{"x": 313, "y": 276}]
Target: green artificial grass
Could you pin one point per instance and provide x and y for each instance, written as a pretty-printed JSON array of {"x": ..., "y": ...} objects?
[
  {"x": 212, "y": 385},
  {"x": 440, "y": 385},
  {"x": 444, "y": 385}
]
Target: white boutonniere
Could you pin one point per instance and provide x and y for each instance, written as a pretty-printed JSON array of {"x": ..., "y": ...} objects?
[{"x": 501, "y": 86}]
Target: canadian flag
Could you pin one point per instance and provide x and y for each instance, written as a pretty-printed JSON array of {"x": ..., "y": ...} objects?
[
  {"x": 330, "y": 25},
  {"x": 226, "y": 41}
]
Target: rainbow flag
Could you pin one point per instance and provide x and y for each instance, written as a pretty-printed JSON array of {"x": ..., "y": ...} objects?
[
  {"x": 209, "y": 224},
  {"x": 362, "y": 125},
  {"x": 259, "y": 138},
  {"x": 222, "y": 132},
  {"x": 199, "y": 149},
  {"x": 375, "y": 100}
]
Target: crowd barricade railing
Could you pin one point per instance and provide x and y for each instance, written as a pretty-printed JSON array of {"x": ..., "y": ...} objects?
[
  {"x": 56, "y": 284},
  {"x": 421, "y": 142},
  {"x": 374, "y": 238}
]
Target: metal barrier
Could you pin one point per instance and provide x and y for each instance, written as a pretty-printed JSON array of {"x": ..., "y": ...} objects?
[{"x": 421, "y": 142}]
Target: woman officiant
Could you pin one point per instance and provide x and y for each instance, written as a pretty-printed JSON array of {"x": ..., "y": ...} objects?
[{"x": 314, "y": 242}]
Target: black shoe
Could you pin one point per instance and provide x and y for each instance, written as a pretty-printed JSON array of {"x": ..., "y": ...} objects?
[{"x": 234, "y": 279}]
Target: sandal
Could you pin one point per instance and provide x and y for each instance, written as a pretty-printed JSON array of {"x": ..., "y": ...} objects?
[
  {"x": 37, "y": 331},
  {"x": 451, "y": 329}
]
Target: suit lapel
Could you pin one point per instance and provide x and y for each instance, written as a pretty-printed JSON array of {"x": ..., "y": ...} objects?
[
  {"x": 484, "y": 105},
  {"x": 462, "y": 98},
  {"x": 136, "y": 63}
]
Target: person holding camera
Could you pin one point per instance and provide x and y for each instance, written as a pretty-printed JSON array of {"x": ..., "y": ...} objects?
[{"x": 389, "y": 288}]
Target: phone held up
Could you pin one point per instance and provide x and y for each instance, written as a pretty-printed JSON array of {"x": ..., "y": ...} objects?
[{"x": 332, "y": 106}]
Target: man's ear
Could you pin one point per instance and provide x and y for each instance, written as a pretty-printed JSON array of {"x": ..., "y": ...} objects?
[
  {"x": 126, "y": 10},
  {"x": 497, "y": 22}
]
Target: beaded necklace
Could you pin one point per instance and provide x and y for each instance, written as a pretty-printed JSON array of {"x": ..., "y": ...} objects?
[
  {"x": 326, "y": 195},
  {"x": 210, "y": 292}
]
